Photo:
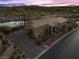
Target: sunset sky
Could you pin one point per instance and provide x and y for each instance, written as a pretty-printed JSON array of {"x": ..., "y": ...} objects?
[{"x": 38, "y": 2}]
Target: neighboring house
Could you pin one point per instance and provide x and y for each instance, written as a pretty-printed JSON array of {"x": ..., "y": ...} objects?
[
  {"x": 70, "y": 24},
  {"x": 46, "y": 23},
  {"x": 6, "y": 18}
]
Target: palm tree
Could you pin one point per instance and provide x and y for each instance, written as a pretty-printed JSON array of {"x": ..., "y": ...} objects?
[{"x": 26, "y": 19}]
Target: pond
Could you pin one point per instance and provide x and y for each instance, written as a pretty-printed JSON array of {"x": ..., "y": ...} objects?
[{"x": 11, "y": 24}]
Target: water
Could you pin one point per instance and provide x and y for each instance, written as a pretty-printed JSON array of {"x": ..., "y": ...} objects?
[{"x": 11, "y": 24}]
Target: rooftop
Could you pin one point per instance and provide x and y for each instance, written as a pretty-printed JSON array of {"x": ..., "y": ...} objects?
[{"x": 50, "y": 20}]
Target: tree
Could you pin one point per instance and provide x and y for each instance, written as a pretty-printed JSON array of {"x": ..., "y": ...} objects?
[{"x": 30, "y": 33}]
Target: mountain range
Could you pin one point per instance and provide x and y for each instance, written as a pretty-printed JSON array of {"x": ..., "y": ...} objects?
[{"x": 46, "y": 5}]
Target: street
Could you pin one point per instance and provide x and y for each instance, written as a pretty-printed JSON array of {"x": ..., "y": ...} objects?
[{"x": 67, "y": 48}]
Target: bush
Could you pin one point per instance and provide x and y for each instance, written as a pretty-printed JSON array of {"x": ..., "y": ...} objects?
[
  {"x": 38, "y": 42},
  {"x": 30, "y": 33},
  {"x": 6, "y": 29}
]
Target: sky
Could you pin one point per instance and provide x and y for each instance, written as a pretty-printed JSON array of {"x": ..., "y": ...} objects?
[{"x": 38, "y": 2}]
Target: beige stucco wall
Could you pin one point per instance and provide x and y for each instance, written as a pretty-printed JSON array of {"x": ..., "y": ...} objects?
[{"x": 40, "y": 30}]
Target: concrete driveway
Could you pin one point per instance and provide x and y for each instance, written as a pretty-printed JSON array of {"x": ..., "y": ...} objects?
[{"x": 28, "y": 47}]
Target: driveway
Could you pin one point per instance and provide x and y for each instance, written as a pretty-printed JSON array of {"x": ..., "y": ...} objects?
[{"x": 27, "y": 46}]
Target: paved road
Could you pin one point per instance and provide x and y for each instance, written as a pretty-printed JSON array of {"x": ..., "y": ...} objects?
[{"x": 68, "y": 48}]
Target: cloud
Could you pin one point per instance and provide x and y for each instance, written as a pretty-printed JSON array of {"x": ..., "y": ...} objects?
[
  {"x": 12, "y": 1},
  {"x": 38, "y": 1},
  {"x": 4, "y": 0}
]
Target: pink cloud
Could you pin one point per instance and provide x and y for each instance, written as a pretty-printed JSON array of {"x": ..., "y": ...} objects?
[{"x": 39, "y": 2}]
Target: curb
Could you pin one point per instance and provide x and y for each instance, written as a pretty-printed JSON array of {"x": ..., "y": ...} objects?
[{"x": 38, "y": 56}]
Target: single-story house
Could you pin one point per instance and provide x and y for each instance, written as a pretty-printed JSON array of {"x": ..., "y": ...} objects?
[{"x": 46, "y": 23}]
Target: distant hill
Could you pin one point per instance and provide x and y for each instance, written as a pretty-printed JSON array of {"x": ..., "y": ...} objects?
[
  {"x": 45, "y": 5},
  {"x": 22, "y": 9}
]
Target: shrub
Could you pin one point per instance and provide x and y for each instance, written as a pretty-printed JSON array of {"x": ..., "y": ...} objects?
[
  {"x": 38, "y": 42},
  {"x": 6, "y": 29}
]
